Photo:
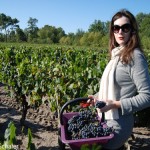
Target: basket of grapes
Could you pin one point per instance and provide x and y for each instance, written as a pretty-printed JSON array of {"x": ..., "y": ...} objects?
[{"x": 82, "y": 125}]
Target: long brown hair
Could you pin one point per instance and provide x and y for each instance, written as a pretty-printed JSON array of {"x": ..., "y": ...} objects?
[{"x": 134, "y": 40}]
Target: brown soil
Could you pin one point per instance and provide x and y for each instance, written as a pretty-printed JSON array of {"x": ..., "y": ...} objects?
[{"x": 44, "y": 126}]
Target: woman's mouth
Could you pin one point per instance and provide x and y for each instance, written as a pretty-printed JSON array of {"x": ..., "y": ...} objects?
[{"x": 120, "y": 38}]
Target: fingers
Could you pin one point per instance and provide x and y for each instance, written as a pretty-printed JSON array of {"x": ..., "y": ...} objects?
[
  {"x": 91, "y": 96},
  {"x": 89, "y": 101},
  {"x": 99, "y": 113},
  {"x": 98, "y": 110},
  {"x": 103, "y": 109},
  {"x": 92, "y": 99}
]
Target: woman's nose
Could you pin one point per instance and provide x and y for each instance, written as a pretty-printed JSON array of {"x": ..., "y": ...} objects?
[{"x": 120, "y": 30}]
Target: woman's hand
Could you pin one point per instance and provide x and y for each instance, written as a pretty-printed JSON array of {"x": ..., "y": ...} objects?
[
  {"x": 110, "y": 104},
  {"x": 92, "y": 100}
]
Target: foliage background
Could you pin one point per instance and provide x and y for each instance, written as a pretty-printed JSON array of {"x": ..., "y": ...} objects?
[{"x": 97, "y": 34}]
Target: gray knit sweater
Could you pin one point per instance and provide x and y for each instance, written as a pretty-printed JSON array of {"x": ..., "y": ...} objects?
[{"x": 132, "y": 85}]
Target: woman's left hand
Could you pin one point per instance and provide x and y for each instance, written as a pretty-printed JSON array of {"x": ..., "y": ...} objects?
[{"x": 110, "y": 104}]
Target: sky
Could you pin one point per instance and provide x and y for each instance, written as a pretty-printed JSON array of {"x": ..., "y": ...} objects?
[{"x": 70, "y": 15}]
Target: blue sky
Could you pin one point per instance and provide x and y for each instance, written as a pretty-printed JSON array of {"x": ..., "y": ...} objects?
[{"x": 69, "y": 14}]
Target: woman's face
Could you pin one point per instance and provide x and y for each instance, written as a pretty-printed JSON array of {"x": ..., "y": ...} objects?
[{"x": 122, "y": 30}]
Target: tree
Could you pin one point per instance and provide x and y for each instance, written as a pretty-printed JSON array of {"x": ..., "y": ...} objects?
[
  {"x": 5, "y": 22},
  {"x": 50, "y": 34},
  {"x": 20, "y": 35},
  {"x": 32, "y": 29},
  {"x": 60, "y": 33},
  {"x": 106, "y": 29},
  {"x": 98, "y": 26},
  {"x": 14, "y": 23},
  {"x": 67, "y": 39},
  {"x": 1, "y": 37},
  {"x": 13, "y": 27},
  {"x": 144, "y": 24},
  {"x": 79, "y": 34},
  {"x": 140, "y": 17},
  {"x": 8, "y": 25},
  {"x": 84, "y": 40}
]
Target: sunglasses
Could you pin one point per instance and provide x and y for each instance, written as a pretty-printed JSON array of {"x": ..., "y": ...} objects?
[{"x": 125, "y": 28}]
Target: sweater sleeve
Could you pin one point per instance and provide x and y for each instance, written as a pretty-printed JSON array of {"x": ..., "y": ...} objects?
[{"x": 140, "y": 76}]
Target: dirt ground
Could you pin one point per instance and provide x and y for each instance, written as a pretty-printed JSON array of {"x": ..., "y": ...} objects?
[{"x": 44, "y": 126}]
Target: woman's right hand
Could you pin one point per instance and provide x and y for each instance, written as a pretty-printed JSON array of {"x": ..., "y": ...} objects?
[{"x": 92, "y": 100}]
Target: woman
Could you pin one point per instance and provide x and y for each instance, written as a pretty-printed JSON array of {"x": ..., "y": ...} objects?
[{"x": 125, "y": 83}]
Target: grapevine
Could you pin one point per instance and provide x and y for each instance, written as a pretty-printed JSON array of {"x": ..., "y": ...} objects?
[{"x": 52, "y": 74}]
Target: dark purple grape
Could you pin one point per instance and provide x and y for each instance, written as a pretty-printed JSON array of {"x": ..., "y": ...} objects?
[{"x": 100, "y": 104}]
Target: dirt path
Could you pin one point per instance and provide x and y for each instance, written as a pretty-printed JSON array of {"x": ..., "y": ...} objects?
[{"x": 43, "y": 125}]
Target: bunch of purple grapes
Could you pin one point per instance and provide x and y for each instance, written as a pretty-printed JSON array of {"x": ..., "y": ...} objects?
[
  {"x": 100, "y": 104},
  {"x": 86, "y": 125}
]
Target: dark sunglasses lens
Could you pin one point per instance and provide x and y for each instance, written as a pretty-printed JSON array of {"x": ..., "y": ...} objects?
[
  {"x": 116, "y": 29},
  {"x": 125, "y": 28}
]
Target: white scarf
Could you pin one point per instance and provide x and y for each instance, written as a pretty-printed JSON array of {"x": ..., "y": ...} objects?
[{"x": 107, "y": 89}]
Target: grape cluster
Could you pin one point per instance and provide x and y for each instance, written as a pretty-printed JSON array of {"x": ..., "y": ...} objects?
[
  {"x": 86, "y": 125},
  {"x": 100, "y": 104}
]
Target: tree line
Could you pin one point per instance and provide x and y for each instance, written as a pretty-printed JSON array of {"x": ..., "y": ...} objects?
[{"x": 97, "y": 34}]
